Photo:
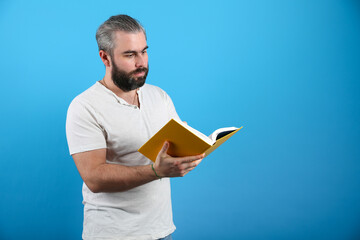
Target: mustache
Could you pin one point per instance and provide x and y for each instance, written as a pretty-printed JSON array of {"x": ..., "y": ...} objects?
[{"x": 139, "y": 70}]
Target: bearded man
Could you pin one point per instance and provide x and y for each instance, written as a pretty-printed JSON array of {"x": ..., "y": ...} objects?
[{"x": 125, "y": 195}]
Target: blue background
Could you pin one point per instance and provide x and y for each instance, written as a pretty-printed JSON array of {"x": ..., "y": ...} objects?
[{"x": 288, "y": 71}]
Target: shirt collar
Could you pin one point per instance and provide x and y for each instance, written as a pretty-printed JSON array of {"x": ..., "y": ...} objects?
[{"x": 118, "y": 99}]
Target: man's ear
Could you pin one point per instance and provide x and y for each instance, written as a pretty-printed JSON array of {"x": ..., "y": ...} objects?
[{"x": 105, "y": 58}]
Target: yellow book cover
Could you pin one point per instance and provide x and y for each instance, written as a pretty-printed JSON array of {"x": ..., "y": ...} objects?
[{"x": 185, "y": 140}]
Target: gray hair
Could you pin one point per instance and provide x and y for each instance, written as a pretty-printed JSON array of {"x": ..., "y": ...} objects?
[{"x": 106, "y": 32}]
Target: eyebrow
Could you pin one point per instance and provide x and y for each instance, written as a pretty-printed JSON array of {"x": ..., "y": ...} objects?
[{"x": 132, "y": 51}]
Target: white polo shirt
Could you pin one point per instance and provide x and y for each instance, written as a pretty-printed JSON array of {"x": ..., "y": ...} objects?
[{"x": 97, "y": 118}]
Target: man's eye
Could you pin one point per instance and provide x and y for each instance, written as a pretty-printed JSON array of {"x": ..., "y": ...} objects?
[{"x": 129, "y": 55}]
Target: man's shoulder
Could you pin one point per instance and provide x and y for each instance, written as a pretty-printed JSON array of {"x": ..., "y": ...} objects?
[
  {"x": 152, "y": 89},
  {"x": 88, "y": 97},
  {"x": 88, "y": 93}
]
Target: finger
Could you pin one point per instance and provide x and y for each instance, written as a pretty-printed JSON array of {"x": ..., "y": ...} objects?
[
  {"x": 187, "y": 167},
  {"x": 164, "y": 148},
  {"x": 190, "y": 169},
  {"x": 191, "y": 158},
  {"x": 190, "y": 166}
]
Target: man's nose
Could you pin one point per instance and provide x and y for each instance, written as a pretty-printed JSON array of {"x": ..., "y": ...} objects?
[{"x": 140, "y": 61}]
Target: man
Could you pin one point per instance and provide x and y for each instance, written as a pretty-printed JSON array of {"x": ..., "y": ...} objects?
[{"x": 125, "y": 195}]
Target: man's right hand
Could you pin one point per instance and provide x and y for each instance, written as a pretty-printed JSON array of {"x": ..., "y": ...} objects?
[{"x": 168, "y": 166}]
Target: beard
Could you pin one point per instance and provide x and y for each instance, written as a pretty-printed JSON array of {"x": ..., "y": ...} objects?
[{"x": 127, "y": 81}]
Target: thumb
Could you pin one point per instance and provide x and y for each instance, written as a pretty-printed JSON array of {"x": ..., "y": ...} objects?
[{"x": 164, "y": 148}]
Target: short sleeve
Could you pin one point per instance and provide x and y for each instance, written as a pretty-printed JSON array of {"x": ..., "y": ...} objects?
[{"x": 83, "y": 132}]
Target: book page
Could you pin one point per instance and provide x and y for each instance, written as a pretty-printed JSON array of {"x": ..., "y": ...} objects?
[
  {"x": 219, "y": 132},
  {"x": 197, "y": 133}
]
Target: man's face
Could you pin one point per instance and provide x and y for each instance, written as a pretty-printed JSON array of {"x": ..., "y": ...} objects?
[{"x": 129, "y": 64}]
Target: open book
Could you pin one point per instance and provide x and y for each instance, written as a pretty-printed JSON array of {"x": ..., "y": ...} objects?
[{"x": 185, "y": 140}]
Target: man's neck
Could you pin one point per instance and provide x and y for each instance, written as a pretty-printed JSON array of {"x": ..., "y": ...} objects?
[{"x": 130, "y": 97}]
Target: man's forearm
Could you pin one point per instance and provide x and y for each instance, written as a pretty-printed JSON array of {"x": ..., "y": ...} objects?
[
  {"x": 116, "y": 178},
  {"x": 100, "y": 176}
]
